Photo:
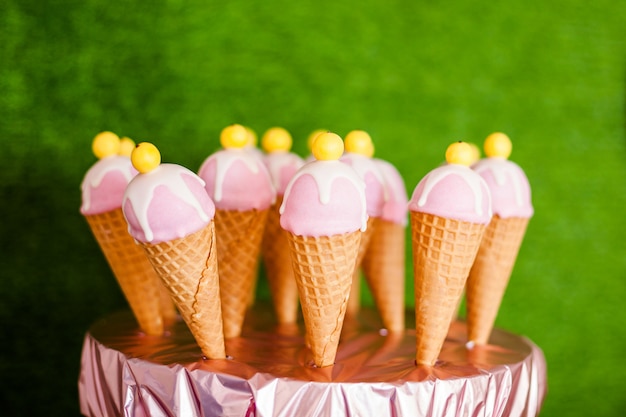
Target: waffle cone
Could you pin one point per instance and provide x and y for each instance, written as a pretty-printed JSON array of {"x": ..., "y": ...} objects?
[
  {"x": 443, "y": 253},
  {"x": 168, "y": 309},
  {"x": 354, "y": 302},
  {"x": 136, "y": 277},
  {"x": 324, "y": 267},
  {"x": 384, "y": 269},
  {"x": 188, "y": 267},
  {"x": 239, "y": 235},
  {"x": 490, "y": 274},
  {"x": 279, "y": 271}
]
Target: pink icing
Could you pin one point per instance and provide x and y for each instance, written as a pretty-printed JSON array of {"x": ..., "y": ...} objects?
[
  {"x": 510, "y": 190},
  {"x": 324, "y": 198},
  {"x": 455, "y": 192},
  {"x": 237, "y": 179},
  {"x": 374, "y": 183},
  {"x": 104, "y": 184},
  {"x": 282, "y": 166},
  {"x": 167, "y": 203},
  {"x": 396, "y": 208}
]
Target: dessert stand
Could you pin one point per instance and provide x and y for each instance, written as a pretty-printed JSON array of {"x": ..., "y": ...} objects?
[{"x": 269, "y": 372}]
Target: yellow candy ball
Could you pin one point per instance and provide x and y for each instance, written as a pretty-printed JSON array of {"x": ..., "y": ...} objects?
[
  {"x": 145, "y": 157},
  {"x": 126, "y": 146},
  {"x": 327, "y": 147},
  {"x": 314, "y": 134},
  {"x": 475, "y": 153},
  {"x": 105, "y": 144},
  {"x": 276, "y": 139},
  {"x": 460, "y": 153},
  {"x": 252, "y": 137},
  {"x": 498, "y": 145},
  {"x": 234, "y": 136},
  {"x": 359, "y": 142}
]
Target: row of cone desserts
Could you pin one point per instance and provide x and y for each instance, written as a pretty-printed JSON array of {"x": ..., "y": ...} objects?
[{"x": 317, "y": 224}]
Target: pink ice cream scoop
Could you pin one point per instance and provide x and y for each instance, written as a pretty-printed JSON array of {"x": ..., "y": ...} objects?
[
  {"x": 510, "y": 190},
  {"x": 237, "y": 179},
  {"x": 167, "y": 203},
  {"x": 395, "y": 209},
  {"x": 104, "y": 184},
  {"x": 375, "y": 194},
  {"x": 324, "y": 198},
  {"x": 282, "y": 166},
  {"x": 453, "y": 191}
]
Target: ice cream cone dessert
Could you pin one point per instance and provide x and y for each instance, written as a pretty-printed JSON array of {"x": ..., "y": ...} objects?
[
  {"x": 241, "y": 187},
  {"x": 170, "y": 214},
  {"x": 450, "y": 208},
  {"x": 512, "y": 209},
  {"x": 324, "y": 213},
  {"x": 474, "y": 158},
  {"x": 384, "y": 261},
  {"x": 282, "y": 165},
  {"x": 102, "y": 193},
  {"x": 359, "y": 150}
]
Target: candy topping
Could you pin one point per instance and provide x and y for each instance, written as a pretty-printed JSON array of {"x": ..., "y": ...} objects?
[
  {"x": 460, "y": 153},
  {"x": 252, "y": 138},
  {"x": 476, "y": 152},
  {"x": 145, "y": 157},
  {"x": 314, "y": 134},
  {"x": 396, "y": 205},
  {"x": 324, "y": 198},
  {"x": 498, "y": 145},
  {"x": 168, "y": 203},
  {"x": 359, "y": 142},
  {"x": 507, "y": 182},
  {"x": 105, "y": 144},
  {"x": 453, "y": 190},
  {"x": 237, "y": 179},
  {"x": 234, "y": 136},
  {"x": 104, "y": 184},
  {"x": 126, "y": 146},
  {"x": 327, "y": 147},
  {"x": 276, "y": 139}
]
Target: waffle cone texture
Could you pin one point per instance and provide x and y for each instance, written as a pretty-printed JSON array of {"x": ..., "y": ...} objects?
[
  {"x": 279, "y": 271},
  {"x": 239, "y": 236},
  {"x": 490, "y": 274},
  {"x": 139, "y": 282},
  {"x": 443, "y": 253},
  {"x": 324, "y": 267},
  {"x": 188, "y": 267},
  {"x": 384, "y": 269}
]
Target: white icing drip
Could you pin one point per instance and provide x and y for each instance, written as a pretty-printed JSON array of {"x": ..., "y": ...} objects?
[
  {"x": 277, "y": 160},
  {"x": 99, "y": 170},
  {"x": 224, "y": 159},
  {"x": 141, "y": 190},
  {"x": 465, "y": 173},
  {"x": 501, "y": 169},
  {"x": 364, "y": 165},
  {"x": 324, "y": 173}
]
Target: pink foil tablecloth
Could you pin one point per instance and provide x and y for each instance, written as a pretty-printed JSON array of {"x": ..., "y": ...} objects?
[{"x": 127, "y": 373}]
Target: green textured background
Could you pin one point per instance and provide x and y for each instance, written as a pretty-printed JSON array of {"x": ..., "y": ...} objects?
[{"x": 416, "y": 75}]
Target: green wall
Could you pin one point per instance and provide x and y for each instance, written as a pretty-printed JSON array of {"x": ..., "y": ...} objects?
[{"x": 416, "y": 75}]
